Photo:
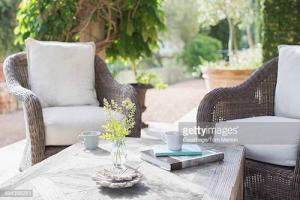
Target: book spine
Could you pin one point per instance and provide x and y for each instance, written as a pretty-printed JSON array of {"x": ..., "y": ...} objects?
[
  {"x": 177, "y": 154},
  {"x": 200, "y": 161}
]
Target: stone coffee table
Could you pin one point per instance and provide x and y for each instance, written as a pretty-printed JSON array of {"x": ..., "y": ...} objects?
[{"x": 68, "y": 175}]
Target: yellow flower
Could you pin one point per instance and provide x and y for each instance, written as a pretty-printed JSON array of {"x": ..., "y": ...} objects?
[{"x": 115, "y": 128}]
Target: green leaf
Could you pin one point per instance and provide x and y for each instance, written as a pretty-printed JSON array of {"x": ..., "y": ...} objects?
[{"x": 129, "y": 27}]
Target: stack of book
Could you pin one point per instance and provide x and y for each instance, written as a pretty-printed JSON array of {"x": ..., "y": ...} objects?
[{"x": 190, "y": 155}]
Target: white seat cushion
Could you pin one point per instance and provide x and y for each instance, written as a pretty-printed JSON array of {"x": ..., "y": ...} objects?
[
  {"x": 62, "y": 74},
  {"x": 287, "y": 95},
  {"x": 64, "y": 124},
  {"x": 268, "y": 139}
]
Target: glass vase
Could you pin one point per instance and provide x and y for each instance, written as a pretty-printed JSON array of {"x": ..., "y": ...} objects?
[{"x": 119, "y": 154}]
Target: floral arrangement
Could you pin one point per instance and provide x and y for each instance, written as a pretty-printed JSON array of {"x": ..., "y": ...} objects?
[{"x": 120, "y": 119}]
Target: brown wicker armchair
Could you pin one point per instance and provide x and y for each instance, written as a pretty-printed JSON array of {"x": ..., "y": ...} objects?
[
  {"x": 254, "y": 97},
  {"x": 16, "y": 74}
]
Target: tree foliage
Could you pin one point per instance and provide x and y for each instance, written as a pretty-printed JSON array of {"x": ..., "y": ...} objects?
[
  {"x": 130, "y": 26},
  {"x": 182, "y": 19},
  {"x": 7, "y": 24},
  {"x": 281, "y": 25},
  {"x": 234, "y": 11},
  {"x": 220, "y": 31},
  {"x": 46, "y": 20}
]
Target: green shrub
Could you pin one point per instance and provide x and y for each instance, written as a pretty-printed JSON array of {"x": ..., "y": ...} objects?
[
  {"x": 7, "y": 24},
  {"x": 202, "y": 48},
  {"x": 280, "y": 26}
]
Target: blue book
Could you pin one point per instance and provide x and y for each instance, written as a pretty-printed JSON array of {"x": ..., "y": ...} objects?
[{"x": 186, "y": 150}]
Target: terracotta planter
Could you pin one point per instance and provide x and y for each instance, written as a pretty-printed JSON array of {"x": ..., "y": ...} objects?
[
  {"x": 141, "y": 94},
  {"x": 217, "y": 77}
]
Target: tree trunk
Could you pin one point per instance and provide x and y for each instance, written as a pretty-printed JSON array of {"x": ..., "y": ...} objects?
[
  {"x": 231, "y": 40},
  {"x": 234, "y": 39},
  {"x": 93, "y": 32},
  {"x": 249, "y": 36}
]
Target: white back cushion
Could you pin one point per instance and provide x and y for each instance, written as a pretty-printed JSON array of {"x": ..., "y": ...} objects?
[
  {"x": 287, "y": 95},
  {"x": 62, "y": 74}
]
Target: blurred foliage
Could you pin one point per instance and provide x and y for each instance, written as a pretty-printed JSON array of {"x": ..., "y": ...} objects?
[
  {"x": 236, "y": 12},
  {"x": 7, "y": 23},
  {"x": 116, "y": 66},
  {"x": 182, "y": 19},
  {"x": 150, "y": 78},
  {"x": 247, "y": 58},
  {"x": 220, "y": 31},
  {"x": 138, "y": 34},
  {"x": 200, "y": 49},
  {"x": 281, "y": 25},
  {"x": 135, "y": 24},
  {"x": 258, "y": 25},
  {"x": 149, "y": 62}
]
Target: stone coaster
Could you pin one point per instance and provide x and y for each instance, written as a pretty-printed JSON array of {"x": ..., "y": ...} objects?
[{"x": 112, "y": 178}]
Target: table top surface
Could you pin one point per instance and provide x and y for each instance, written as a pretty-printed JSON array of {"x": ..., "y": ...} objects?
[{"x": 68, "y": 175}]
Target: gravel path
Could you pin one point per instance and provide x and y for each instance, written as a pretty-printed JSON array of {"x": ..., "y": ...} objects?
[
  {"x": 162, "y": 106},
  {"x": 12, "y": 128},
  {"x": 172, "y": 103}
]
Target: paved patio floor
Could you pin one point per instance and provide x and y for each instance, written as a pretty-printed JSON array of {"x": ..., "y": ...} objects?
[{"x": 12, "y": 128}]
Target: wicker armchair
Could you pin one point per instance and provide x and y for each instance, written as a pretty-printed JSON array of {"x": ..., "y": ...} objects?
[
  {"x": 16, "y": 74},
  {"x": 254, "y": 97}
]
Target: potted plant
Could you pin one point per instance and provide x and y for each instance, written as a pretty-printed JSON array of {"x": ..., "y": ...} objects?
[
  {"x": 145, "y": 81},
  {"x": 118, "y": 127},
  {"x": 229, "y": 74}
]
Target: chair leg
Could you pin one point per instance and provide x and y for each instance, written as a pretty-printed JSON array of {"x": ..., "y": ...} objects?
[{"x": 26, "y": 159}]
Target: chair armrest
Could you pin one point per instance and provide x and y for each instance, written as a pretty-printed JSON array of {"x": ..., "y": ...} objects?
[
  {"x": 32, "y": 107},
  {"x": 254, "y": 97},
  {"x": 109, "y": 88}
]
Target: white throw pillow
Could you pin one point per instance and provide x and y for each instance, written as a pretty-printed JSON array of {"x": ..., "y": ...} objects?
[
  {"x": 287, "y": 95},
  {"x": 62, "y": 74}
]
